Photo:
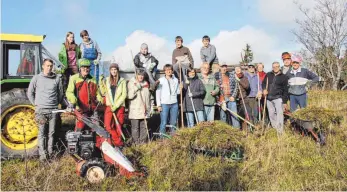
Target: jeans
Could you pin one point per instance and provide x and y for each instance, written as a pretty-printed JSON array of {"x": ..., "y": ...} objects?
[
  {"x": 94, "y": 71},
  {"x": 45, "y": 119},
  {"x": 191, "y": 117},
  {"x": 209, "y": 112},
  {"x": 275, "y": 108},
  {"x": 168, "y": 111},
  {"x": 223, "y": 115},
  {"x": 296, "y": 100}
]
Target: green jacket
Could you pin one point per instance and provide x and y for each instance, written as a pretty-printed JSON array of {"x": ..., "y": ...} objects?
[
  {"x": 118, "y": 99},
  {"x": 63, "y": 56},
  {"x": 83, "y": 93},
  {"x": 210, "y": 85}
]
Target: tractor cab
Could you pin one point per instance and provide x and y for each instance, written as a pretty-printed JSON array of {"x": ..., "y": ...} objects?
[{"x": 21, "y": 59}]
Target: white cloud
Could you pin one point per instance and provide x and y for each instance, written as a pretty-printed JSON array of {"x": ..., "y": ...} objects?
[
  {"x": 282, "y": 11},
  {"x": 229, "y": 45}
]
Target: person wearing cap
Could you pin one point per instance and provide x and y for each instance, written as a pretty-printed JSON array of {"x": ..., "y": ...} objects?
[
  {"x": 90, "y": 50},
  {"x": 299, "y": 82},
  {"x": 255, "y": 93},
  {"x": 114, "y": 90},
  {"x": 145, "y": 60},
  {"x": 82, "y": 93},
  {"x": 208, "y": 54},
  {"x": 139, "y": 98},
  {"x": 228, "y": 93},
  {"x": 242, "y": 99},
  {"x": 287, "y": 61}
]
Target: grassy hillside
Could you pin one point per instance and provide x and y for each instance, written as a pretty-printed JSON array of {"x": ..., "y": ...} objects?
[{"x": 289, "y": 162}]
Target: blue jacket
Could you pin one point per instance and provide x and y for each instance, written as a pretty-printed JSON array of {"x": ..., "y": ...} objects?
[
  {"x": 254, "y": 84},
  {"x": 297, "y": 80}
]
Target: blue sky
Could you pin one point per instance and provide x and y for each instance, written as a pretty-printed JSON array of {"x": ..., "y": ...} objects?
[{"x": 111, "y": 23}]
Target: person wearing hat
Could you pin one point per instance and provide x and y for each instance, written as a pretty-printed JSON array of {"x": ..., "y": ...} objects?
[
  {"x": 145, "y": 60},
  {"x": 298, "y": 83},
  {"x": 287, "y": 61},
  {"x": 139, "y": 98},
  {"x": 114, "y": 90},
  {"x": 228, "y": 93},
  {"x": 82, "y": 93},
  {"x": 255, "y": 92}
]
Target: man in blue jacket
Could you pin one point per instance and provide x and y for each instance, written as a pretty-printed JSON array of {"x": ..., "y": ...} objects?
[
  {"x": 255, "y": 92},
  {"x": 298, "y": 83}
]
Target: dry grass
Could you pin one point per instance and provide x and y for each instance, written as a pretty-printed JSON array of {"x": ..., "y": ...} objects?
[{"x": 290, "y": 162}]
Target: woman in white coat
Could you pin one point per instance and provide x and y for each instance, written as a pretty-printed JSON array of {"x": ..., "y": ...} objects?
[{"x": 139, "y": 98}]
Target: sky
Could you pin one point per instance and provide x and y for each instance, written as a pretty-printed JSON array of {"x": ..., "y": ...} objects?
[{"x": 120, "y": 27}]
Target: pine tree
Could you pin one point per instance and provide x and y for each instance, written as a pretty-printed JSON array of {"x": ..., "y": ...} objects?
[{"x": 247, "y": 55}]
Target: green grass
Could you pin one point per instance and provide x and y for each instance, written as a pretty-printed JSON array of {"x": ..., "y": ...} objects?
[{"x": 289, "y": 162}]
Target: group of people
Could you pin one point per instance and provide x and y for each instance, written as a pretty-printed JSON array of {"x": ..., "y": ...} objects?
[{"x": 237, "y": 96}]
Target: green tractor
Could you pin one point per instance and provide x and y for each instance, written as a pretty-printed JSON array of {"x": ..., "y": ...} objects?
[{"x": 21, "y": 59}]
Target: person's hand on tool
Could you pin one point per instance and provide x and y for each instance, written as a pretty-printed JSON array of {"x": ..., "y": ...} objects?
[
  {"x": 160, "y": 109},
  {"x": 190, "y": 94},
  {"x": 285, "y": 107},
  {"x": 259, "y": 95},
  {"x": 236, "y": 77},
  {"x": 224, "y": 106},
  {"x": 96, "y": 62},
  {"x": 70, "y": 108},
  {"x": 151, "y": 66},
  {"x": 138, "y": 85},
  {"x": 265, "y": 92},
  {"x": 181, "y": 85},
  {"x": 231, "y": 99}
]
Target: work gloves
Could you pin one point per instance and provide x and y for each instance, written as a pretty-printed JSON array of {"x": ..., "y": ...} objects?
[
  {"x": 190, "y": 94},
  {"x": 138, "y": 86},
  {"x": 70, "y": 108},
  {"x": 96, "y": 62}
]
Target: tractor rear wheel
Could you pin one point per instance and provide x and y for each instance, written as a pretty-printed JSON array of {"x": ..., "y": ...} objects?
[{"x": 18, "y": 127}]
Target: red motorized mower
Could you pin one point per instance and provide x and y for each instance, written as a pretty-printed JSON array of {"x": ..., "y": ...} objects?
[{"x": 94, "y": 154}]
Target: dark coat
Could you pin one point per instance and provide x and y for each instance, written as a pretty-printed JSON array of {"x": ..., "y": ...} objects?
[
  {"x": 277, "y": 86},
  {"x": 197, "y": 88},
  {"x": 244, "y": 86}
]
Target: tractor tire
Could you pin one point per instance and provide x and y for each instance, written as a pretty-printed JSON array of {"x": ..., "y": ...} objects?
[{"x": 18, "y": 127}]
